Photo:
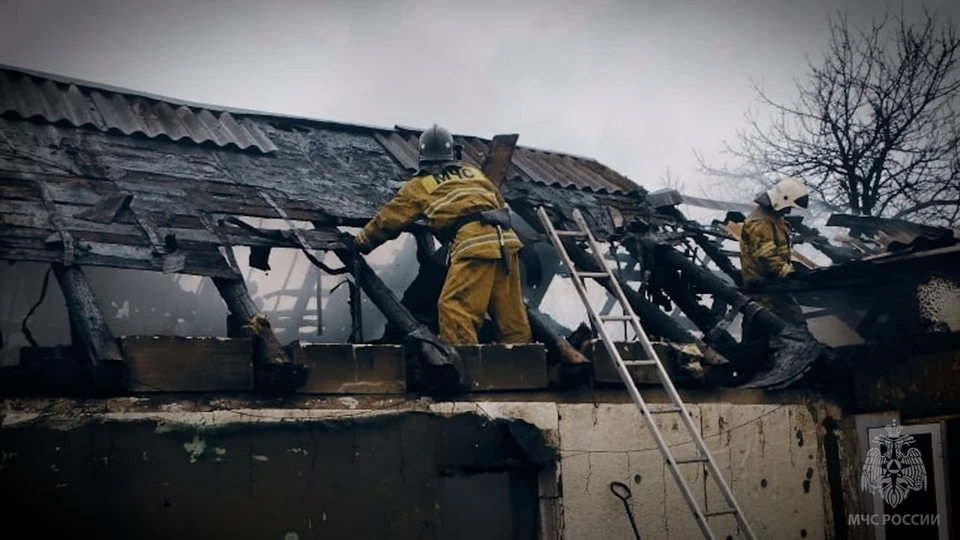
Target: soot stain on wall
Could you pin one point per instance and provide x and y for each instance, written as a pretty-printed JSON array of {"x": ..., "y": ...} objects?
[{"x": 378, "y": 477}]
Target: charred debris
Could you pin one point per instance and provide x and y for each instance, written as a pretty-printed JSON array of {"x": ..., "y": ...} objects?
[{"x": 96, "y": 176}]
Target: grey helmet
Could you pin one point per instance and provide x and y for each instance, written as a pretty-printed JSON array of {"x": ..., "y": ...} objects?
[{"x": 436, "y": 146}]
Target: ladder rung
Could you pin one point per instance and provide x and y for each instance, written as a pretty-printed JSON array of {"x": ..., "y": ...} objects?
[
  {"x": 698, "y": 459},
  {"x": 726, "y": 512},
  {"x": 676, "y": 406},
  {"x": 593, "y": 274},
  {"x": 639, "y": 362}
]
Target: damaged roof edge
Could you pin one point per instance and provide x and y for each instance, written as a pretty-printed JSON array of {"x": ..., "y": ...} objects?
[
  {"x": 408, "y": 129},
  {"x": 628, "y": 186},
  {"x": 102, "y": 87}
]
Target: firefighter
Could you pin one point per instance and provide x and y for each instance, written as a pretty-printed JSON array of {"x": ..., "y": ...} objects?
[
  {"x": 765, "y": 248},
  {"x": 465, "y": 209}
]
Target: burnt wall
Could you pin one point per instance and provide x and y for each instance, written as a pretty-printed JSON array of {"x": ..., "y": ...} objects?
[
  {"x": 924, "y": 384},
  {"x": 378, "y": 477}
]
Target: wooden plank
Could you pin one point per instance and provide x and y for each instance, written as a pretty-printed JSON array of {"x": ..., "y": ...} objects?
[
  {"x": 97, "y": 340},
  {"x": 441, "y": 357},
  {"x": 187, "y": 364},
  {"x": 556, "y": 344},
  {"x": 32, "y": 225},
  {"x": 351, "y": 369},
  {"x": 497, "y": 161},
  {"x": 705, "y": 320},
  {"x": 162, "y": 199},
  {"x": 505, "y": 367},
  {"x": 274, "y": 372},
  {"x": 394, "y": 144},
  {"x": 19, "y": 191},
  {"x": 714, "y": 285},
  {"x": 122, "y": 235},
  {"x": 235, "y": 295},
  {"x": 605, "y": 372},
  {"x": 63, "y": 189},
  {"x": 118, "y": 256},
  {"x": 107, "y": 209}
]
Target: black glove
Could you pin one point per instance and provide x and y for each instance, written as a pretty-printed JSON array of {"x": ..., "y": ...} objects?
[{"x": 349, "y": 242}]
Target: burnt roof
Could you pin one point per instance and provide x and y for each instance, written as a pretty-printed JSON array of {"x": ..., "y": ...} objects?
[
  {"x": 55, "y": 99},
  {"x": 538, "y": 166},
  {"x": 29, "y": 97},
  {"x": 143, "y": 168}
]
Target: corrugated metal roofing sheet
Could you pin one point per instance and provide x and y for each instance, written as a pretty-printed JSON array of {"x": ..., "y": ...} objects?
[
  {"x": 31, "y": 97},
  {"x": 79, "y": 103},
  {"x": 547, "y": 168}
]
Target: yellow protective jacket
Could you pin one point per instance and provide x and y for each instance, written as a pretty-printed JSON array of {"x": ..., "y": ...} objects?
[
  {"x": 442, "y": 199},
  {"x": 765, "y": 246}
]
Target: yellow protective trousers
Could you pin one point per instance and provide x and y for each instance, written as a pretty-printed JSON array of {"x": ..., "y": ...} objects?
[{"x": 472, "y": 288}]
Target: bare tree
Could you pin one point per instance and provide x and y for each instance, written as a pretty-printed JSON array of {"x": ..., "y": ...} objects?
[
  {"x": 874, "y": 127},
  {"x": 672, "y": 181}
]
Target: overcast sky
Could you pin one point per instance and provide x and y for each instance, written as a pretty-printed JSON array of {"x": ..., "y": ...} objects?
[{"x": 634, "y": 84}]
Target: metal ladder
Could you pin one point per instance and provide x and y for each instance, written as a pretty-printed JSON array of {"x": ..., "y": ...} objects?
[{"x": 702, "y": 453}]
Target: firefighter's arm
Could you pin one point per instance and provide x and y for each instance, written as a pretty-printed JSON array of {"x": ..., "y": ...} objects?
[
  {"x": 759, "y": 240},
  {"x": 395, "y": 216}
]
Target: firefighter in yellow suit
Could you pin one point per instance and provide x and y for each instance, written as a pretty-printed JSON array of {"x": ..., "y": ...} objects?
[
  {"x": 766, "y": 248},
  {"x": 459, "y": 203}
]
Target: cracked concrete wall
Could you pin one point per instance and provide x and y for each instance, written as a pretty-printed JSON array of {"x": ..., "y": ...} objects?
[{"x": 770, "y": 454}]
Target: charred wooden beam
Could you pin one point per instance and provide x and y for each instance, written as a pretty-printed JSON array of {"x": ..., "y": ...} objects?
[
  {"x": 713, "y": 250},
  {"x": 439, "y": 355},
  {"x": 28, "y": 221},
  {"x": 714, "y": 285},
  {"x": 575, "y": 367},
  {"x": 235, "y": 295},
  {"x": 274, "y": 371},
  {"x": 106, "y": 209},
  {"x": 66, "y": 240},
  {"x": 710, "y": 247},
  {"x": 798, "y": 350},
  {"x": 680, "y": 294},
  {"x": 109, "y": 369},
  {"x": 700, "y": 315},
  {"x": 656, "y": 321},
  {"x": 497, "y": 162},
  {"x": 652, "y": 317},
  {"x": 556, "y": 345}
]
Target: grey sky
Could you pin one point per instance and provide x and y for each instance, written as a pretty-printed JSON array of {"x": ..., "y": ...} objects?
[{"x": 635, "y": 85}]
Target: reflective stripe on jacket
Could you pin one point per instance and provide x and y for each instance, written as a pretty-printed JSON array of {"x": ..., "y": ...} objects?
[
  {"x": 442, "y": 199},
  {"x": 765, "y": 246}
]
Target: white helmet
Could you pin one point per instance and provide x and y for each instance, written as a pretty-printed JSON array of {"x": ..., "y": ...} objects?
[{"x": 789, "y": 192}]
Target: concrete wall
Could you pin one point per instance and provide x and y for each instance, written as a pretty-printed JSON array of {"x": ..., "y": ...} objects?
[
  {"x": 316, "y": 469},
  {"x": 769, "y": 454},
  {"x": 772, "y": 455},
  {"x": 175, "y": 472}
]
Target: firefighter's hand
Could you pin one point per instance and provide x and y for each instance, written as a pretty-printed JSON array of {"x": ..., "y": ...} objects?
[
  {"x": 785, "y": 270},
  {"x": 349, "y": 242}
]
